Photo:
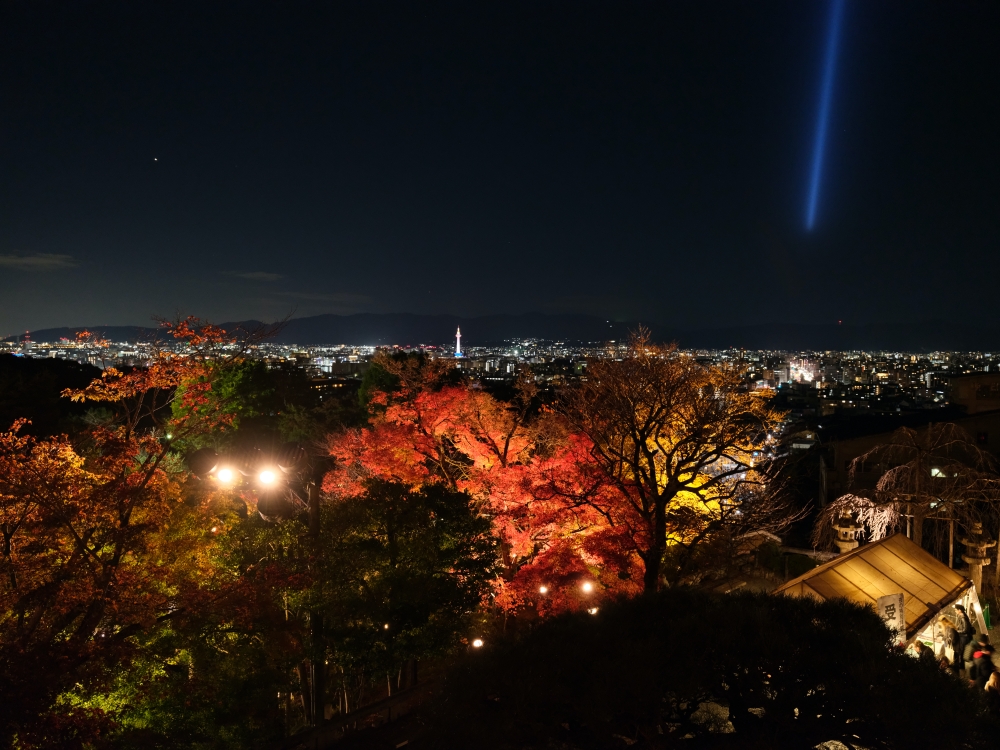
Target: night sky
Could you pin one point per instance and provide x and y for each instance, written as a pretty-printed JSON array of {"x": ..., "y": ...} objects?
[{"x": 633, "y": 160}]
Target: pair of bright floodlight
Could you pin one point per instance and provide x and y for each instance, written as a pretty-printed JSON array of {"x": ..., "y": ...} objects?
[
  {"x": 586, "y": 587},
  {"x": 226, "y": 476}
]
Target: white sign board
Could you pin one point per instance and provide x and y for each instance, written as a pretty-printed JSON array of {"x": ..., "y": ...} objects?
[{"x": 892, "y": 610}]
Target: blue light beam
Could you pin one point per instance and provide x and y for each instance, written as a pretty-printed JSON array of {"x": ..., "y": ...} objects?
[{"x": 819, "y": 146}]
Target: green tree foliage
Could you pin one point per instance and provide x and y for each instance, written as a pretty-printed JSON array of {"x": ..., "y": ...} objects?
[
  {"x": 404, "y": 572},
  {"x": 271, "y": 404},
  {"x": 229, "y": 668},
  {"x": 377, "y": 379},
  {"x": 208, "y": 677},
  {"x": 690, "y": 669}
]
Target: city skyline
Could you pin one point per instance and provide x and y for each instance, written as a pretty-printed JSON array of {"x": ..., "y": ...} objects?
[{"x": 413, "y": 330}]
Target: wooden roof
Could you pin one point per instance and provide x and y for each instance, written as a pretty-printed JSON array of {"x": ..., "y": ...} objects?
[{"x": 890, "y": 566}]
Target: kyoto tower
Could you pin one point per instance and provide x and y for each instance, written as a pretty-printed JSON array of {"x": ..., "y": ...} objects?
[{"x": 458, "y": 342}]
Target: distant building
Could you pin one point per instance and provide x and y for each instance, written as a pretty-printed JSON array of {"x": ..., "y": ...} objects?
[{"x": 975, "y": 392}]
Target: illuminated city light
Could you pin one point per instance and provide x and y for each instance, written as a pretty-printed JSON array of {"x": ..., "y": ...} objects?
[
  {"x": 478, "y": 643},
  {"x": 819, "y": 145}
]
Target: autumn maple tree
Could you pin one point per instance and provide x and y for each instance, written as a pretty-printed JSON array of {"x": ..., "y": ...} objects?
[
  {"x": 82, "y": 568},
  {"x": 646, "y": 467},
  {"x": 681, "y": 449},
  {"x": 427, "y": 427}
]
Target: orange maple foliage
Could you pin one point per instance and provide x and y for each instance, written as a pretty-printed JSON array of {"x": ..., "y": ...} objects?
[
  {"x": 648, "y": 469},
  {"x": 82, "y": 567},
  {"x": 527, "y": 474}
]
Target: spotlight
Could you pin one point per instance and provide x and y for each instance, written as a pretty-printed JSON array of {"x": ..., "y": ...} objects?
[
  {"x": 267, "y": 477},
  {"x": 225, "y": 476}
]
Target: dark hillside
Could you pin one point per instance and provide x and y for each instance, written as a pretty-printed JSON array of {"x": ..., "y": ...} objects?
[{"x": 32, "y": 388}]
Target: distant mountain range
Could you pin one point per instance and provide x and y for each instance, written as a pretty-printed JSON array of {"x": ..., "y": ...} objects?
[{"x": 410, "y": 330}]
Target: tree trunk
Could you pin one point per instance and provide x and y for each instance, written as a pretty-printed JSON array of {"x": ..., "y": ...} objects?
[
  {"x": 653, "y": 557},
  {"x": 304, "y": 691},
  {"x": 318, "y": 674},
  {"x": 996, "y": 563},
  {"x": 651, "y": 574}
]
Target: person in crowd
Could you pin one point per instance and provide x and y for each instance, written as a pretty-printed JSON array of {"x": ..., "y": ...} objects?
[
  {"x": 964, "y": 633},
  {"x": 923, "y": 652},
  {"x": 982, "y": 665},
  {"x": 993, "y": 692},
  {"x": 953, "y": 641},
  {"x": 963, "y": 626},
  {"x": 970, "y": 648}
]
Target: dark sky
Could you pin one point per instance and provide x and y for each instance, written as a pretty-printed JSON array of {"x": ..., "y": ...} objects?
[{"x": 633, "y": 160}]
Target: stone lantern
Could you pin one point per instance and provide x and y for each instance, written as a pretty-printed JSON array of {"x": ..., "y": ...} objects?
[
  {"x": 976, "y": 545},
  {"x": 847, "y": 533}
]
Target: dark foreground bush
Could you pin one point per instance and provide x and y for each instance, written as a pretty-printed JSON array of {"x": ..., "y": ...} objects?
[{"x": 691, "y": 669}]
